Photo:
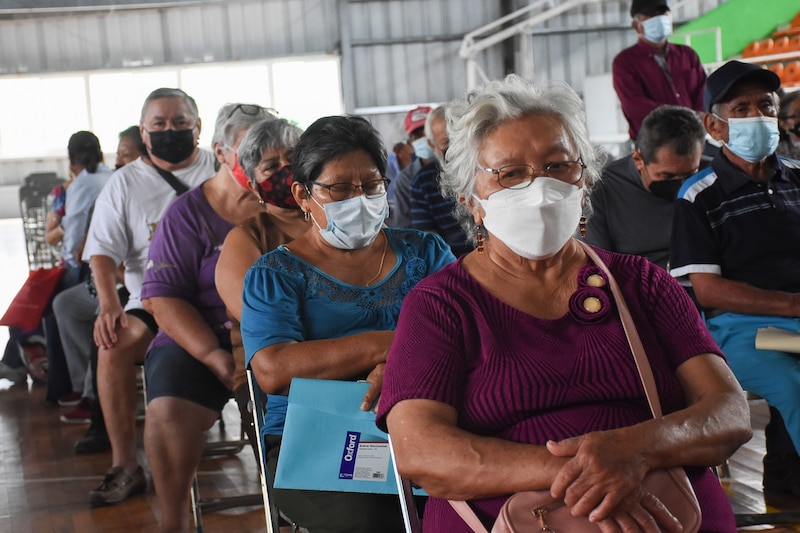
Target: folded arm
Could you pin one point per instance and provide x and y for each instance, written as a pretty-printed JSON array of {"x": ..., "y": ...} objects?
[
  {"x": 606, "y": 467},
  {"x": 451, "y": 463},
  {"x": 183, "y": 323},
  {"x": 714, "y": 291},
  {"x": 342, "y": 358}
]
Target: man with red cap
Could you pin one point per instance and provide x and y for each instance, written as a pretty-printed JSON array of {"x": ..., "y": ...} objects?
[
  {"x": 653, "y": 71},
  {"x": 399, "y": 193}
]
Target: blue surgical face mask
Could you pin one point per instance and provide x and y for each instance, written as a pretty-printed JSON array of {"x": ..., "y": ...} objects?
[
  {"x": 752, "y": 138},
  {"x": 353, "y": 223},
  {"x": 423, "y": 149},
  {"x": 657, "y": 29}
]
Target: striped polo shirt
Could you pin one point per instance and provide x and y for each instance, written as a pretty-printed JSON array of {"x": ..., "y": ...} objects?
[{"x": 728, "y": 224}]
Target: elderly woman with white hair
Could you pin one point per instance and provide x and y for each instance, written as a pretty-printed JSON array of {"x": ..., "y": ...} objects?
[{"x": 510, "y": 370}]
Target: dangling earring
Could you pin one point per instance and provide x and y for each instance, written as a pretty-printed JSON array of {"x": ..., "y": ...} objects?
[
  {"x": 479, "y": 239},
  {"x": 582, "y": 226},
  {"x": 261, "y": 202},
  {"x": 306, "y": 215}
]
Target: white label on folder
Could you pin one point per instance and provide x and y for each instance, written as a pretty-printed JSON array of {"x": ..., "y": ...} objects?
[
  {"x": 372, "y": 461},
  {"x": 364, "y": 461}
]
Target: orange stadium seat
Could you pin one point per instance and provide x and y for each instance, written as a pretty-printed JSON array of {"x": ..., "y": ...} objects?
[
  {"x": 763, "y": 47},
  {"x": 777, "y": 68},
  {"x": 796, "y": 21},
  {"x": 794, "y": 44},
  {"x": 791, "y": 72},
  {"x": 781, "y": 45},
  {"x": 751, "y": 50}
]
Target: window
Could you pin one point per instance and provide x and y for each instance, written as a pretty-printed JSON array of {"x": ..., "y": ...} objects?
[{"x": 39, "y": 113}]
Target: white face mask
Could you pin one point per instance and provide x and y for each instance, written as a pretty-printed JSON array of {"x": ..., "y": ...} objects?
[
  {"x": 657, "y": 29},
  {"x": 537, "y": 221},
  {"x": 353, "y": 223}
]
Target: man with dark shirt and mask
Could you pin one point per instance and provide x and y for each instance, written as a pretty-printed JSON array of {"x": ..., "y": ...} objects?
[
  {"x": 736, "y": 236},
  {"x": 125, "y": 216},
  {"x": 632, "y": 203}
]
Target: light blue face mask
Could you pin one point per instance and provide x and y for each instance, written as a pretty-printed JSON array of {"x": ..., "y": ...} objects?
[
  {"x": 752, "y": 138},
  {"x": 657, "y": 29},
  {"x": 423, "y": 149},
  {"x": 353, "y": 223}
]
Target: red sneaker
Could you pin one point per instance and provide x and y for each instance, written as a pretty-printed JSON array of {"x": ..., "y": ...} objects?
[
  {"x": 70, "y": 399},
  {"x": 82, "y": 414}
]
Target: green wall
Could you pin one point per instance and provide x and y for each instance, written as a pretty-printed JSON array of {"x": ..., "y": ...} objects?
[{"x": 741, "y": 21}]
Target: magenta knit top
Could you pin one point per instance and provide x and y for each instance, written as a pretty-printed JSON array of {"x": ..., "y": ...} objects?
[{"x": 513, "y": 376}]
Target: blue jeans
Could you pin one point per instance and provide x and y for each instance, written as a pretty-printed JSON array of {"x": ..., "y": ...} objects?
[{"x": 773, "y": 375}]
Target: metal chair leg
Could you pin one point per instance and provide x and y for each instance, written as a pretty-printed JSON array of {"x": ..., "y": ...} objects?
[
  {"x": 197, "y": 511},
  {"x": 210, "y": 505}
]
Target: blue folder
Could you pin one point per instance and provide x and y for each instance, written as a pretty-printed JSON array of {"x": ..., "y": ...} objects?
[{"x": 329, "y": 443}]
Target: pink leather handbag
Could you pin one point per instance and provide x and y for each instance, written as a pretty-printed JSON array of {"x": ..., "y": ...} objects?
[{"x": 536, "y": 510}]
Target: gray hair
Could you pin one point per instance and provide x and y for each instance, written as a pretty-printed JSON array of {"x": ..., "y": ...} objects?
[
  {"x": 436, "y": 114},
  {"x": 167, "y": 92},
  {"x": 269, "y": 134},
  {"x": 471, "y": 120},
  {"x": 232, "y": 119}
]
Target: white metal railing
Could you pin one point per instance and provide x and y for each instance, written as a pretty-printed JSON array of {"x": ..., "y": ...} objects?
[
  {"x": 790, "y": 56},
  {"x": 717, "y": 31},
  {"x": 493, "y": 33}
]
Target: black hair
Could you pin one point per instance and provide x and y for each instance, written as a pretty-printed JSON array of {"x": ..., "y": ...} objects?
[
  {"x": 331, "y": 137},
  {"x": 132, "y": 133},
  {"x": 670, "y": 125},
  {"x": 84, "y": 150}
]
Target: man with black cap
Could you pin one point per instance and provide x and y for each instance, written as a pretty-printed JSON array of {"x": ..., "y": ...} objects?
[
  {"x": 653, "y": 71},
  {"x": 736, "y": 236}
]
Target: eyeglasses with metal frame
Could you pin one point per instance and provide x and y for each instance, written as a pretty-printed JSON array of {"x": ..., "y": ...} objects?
[
  {"x": 252, "y": 110},
  {"x": 345, "y": 191},
  {"x": 520, "y": 176}
]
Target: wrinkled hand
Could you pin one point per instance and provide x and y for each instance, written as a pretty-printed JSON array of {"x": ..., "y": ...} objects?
[
  {"x": 220, "y": 362},
  {"x": 640, "y": 512},
  {"x": 603, "y": 471},
  {"x": 105, "y": 325},
  {"x": 375, "y": 380}
]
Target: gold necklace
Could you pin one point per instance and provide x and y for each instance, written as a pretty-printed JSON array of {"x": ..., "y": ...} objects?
[{"x": 383, "y": 258}]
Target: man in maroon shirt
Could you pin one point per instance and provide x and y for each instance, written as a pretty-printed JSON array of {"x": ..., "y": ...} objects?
[{"x": 653, "y": 71}]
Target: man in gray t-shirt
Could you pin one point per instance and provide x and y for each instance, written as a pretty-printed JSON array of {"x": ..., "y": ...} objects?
[{"x": 632, "y": 203}]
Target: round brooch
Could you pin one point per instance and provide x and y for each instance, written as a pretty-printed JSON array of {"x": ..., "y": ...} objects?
[{"x": 590, "y": 302}]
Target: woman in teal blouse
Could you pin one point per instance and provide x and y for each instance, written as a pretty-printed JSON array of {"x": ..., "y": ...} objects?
[{"x": 326, "y": 304}]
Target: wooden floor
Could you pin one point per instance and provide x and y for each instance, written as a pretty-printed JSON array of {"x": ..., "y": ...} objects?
[{"x": 44, "y": 486}]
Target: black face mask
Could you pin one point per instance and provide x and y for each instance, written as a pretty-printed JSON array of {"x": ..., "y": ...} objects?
[
  {"x": 172, "y": 146},
  {"x": 667, "y": 189}
]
